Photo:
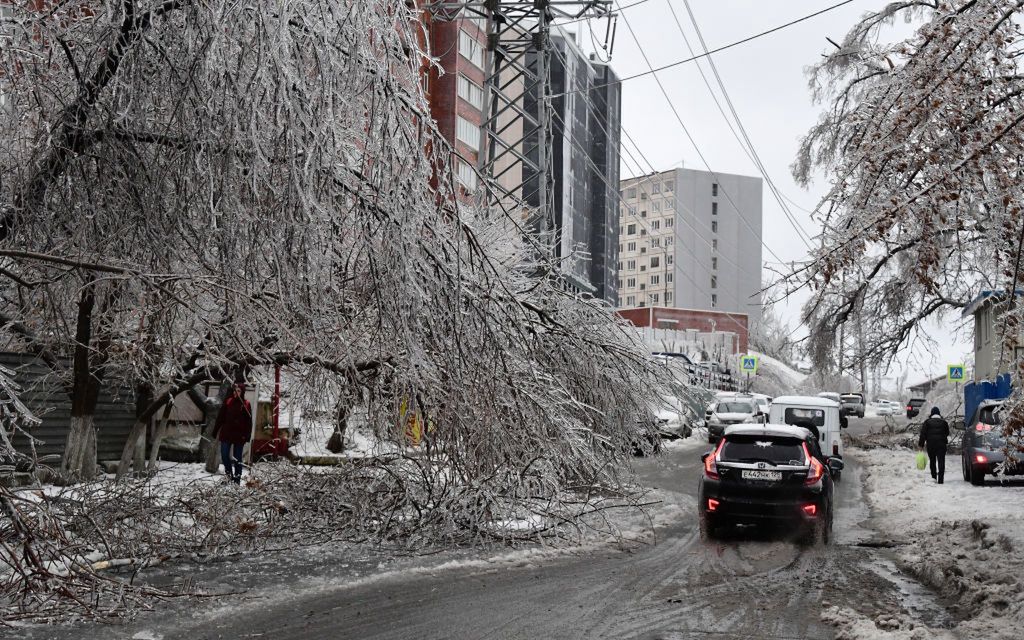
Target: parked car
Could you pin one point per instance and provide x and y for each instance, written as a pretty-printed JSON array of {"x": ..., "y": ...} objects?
[
  {"x": 729, "y": 411},
  {"x": 852, "y": 404},
  {"x": 823, "y": 413},
  {"x": 764, "y": 403},
  {"x": 914, "y": 407},
  {"x": 982, "y": 450},
  {"x": 767, "y": 474}
]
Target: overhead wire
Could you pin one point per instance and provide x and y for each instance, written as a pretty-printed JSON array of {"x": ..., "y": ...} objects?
[
  {"x": 751, "y": 150},
  {"x": 689, "y": 136},
  {"x": 716, "y": 50}
]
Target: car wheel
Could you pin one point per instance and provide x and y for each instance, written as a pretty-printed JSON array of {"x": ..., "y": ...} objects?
[
  {"x": 811, "y": 534},
  {"x": 826, "y": 531},
  {"x": 708, "y": 530},
  {"x": 837, "y": 476},
  {"x": 963, "y": 468},
  {"x": 977, "y": 476}
]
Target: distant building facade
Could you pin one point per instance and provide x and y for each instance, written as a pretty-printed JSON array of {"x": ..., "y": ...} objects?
[
  {"x": 691, "y": 239},
  {"x": 992, "y": 356},
  {"x": 585, "y": 161}
]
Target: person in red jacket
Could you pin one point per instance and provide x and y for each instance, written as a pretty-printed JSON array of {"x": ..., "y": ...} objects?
[{"x": 234, "y": 428}]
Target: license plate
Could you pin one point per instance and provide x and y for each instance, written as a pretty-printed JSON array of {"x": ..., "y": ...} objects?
[{"x": 761, "y": 475}]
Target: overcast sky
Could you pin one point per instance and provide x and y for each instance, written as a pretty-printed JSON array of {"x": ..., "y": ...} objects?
[{"x": 767, "y": 83}]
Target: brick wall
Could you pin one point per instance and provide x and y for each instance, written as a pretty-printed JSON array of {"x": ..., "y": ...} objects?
[{"x": 694, "y": 319}]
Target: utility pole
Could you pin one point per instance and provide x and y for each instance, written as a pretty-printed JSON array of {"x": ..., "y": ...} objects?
[{"x": 517, "y": 126}]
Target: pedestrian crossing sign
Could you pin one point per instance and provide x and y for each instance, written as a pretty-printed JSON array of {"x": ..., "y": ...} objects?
[
  {"x": 748, "y": 364},
  {"x": 955, "y": 372}
]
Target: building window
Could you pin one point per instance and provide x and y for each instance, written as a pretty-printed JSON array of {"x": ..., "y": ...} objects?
[
  {"x": 668, "y": 205},
  {"x": 668, "y": 261},
  {"x": 643, "y": 232},
  {"x": 714, "y": 208},
  {"x": 714, "y": 189},
  {"x": 620, "y": 262},
  {"x": 669, "y": 223},
  {"x": 630, "y": 230},
  {"x": 668, "y": 277},
  {"x": 668, "y": 297},
  {"x": 714, "y": 282},
  {"x": 630, "y": 282},
  {"x": 657, "y": 206},
  {"x": 654, "y": 298},
  {"x": 668, "y": 241},
  {"x": 643, "y": 214},
  {"x": 655, "y": 279},
  {"x": 642, "y": 304},
  {"x": 656, "y": 187},
  {"x": 471, "y": 49},
  {"x": 471, "y": 92},
  {"x": 630, "y": 246},
  {"x": 714, "y": 226},
  {"x": 467, "y": 132},
  {"x": 620, "y": 283},
  {"x": 714, "y": 262},
  {"x": 655, "y": 261},
  {"x": 631, "y": 193},
  {"x": 630, "y": 301},
  {"x": 714, "y": 243},
  {"x": 655, "y": 225},
  {"x": 630, "y": 265},
  {"x": 466, "y": 175},
  {"x": 669, "y": 186},
  {"x": 655, "y": 242},
  {"x": 714, "y": 300}
]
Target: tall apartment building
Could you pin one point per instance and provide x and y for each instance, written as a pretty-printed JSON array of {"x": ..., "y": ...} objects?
[
  {"x": 585, "y": 160},
  {"x": 691, "y": 240}
]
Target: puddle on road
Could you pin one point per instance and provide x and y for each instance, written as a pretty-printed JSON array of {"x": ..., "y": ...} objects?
[{"x": 922, "y": 604}]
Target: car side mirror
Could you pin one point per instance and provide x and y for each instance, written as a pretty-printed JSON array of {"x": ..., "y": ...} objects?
[
  {"x": 705, "y": 456},
  {"x": 835, "y": 464}
]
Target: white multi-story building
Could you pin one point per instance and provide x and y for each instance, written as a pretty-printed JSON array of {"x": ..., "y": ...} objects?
[{"x": 691, "y": 240}]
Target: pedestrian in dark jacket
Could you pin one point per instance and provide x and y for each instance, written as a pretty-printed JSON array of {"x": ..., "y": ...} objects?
[
  {"x": 234, "y": 428},
  {"x": 934, "y": 435}
]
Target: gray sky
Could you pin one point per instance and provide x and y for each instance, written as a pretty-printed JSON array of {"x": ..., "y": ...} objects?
[{"x": 768, "y": 86}]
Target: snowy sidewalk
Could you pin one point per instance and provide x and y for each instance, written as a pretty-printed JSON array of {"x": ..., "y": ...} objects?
[{"x": 963, "y": 541}]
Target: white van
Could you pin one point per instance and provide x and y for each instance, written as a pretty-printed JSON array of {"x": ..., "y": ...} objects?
[{"x": 821, "y": 412}]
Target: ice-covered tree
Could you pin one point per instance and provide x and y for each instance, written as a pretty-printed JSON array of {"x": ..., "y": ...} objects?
[
  {"x": 190, "y": 188},
  {"x": 922, "y": 144}
]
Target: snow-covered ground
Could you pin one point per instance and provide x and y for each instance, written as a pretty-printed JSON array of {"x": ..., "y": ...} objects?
[
  {"x": 775, "y": 377},
  {"x": 963, "y": 541}
]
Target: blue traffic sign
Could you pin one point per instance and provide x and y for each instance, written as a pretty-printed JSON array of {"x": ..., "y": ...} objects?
[{"x": 956, "y": 372}]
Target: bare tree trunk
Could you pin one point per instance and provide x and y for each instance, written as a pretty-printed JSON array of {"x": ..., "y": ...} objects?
[
  {"x": 80, "y": 449},
  {"x": 158, "y": 438},
  {"x": 211, "y": 408},
  {"x": 133, "y": 456}
]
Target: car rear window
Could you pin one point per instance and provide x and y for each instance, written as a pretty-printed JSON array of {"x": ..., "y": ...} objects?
[
  {"x": 762, "y": 449},
  {"x": 851, "y": 398},
  {"x": 735, "y": 407},
  {"x": 989, "y": 430},
  {"x": 797, "y": 416},
  {"x": 916, "y": 402}
]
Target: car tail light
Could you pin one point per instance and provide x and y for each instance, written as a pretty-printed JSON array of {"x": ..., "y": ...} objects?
[
  {"x": 810, "y": 509},
  {"x": 835, "y": 449},
  {"x": 816, "y": 470},
  {"x": 712, "y": 504},
  {"x": 981, "y": 426},
  {"x": 710, "y": 468},
  {"x": 980, "y": 459},
  {"x": 910, "y": 408}
]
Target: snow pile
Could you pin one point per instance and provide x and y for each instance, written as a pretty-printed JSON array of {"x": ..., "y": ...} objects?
[
  {"x": 965, "y": 542},
  {"x": 775, "y": 377}
]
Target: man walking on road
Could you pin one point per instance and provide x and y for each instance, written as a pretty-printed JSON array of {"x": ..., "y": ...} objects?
[{"x": 935, "y": 434}]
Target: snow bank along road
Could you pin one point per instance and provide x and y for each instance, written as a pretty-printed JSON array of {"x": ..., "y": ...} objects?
[{"x": 677, "y": 588}]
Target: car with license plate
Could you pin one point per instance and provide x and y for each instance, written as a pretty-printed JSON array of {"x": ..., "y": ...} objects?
[
  {"x": 768, "y": 475},
  {"x": 983, "y": 451},
  {"x": 728, "y": 411}
]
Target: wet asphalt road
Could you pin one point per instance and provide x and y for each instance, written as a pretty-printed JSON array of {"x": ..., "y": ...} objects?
[{"x": 750, "y": 585}]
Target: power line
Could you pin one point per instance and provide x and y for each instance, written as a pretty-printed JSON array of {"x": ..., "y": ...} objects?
[
  {"x": 752, "y": 153},
  {"x": 722, "y": 48},
  {"x": 686, "y": 131}
]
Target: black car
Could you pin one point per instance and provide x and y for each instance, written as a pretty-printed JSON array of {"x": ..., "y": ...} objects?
[
  {"x": 768, "y": 475},
  {"x": 983, "y": 445},
  {"x": 914, "y": 407}
]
